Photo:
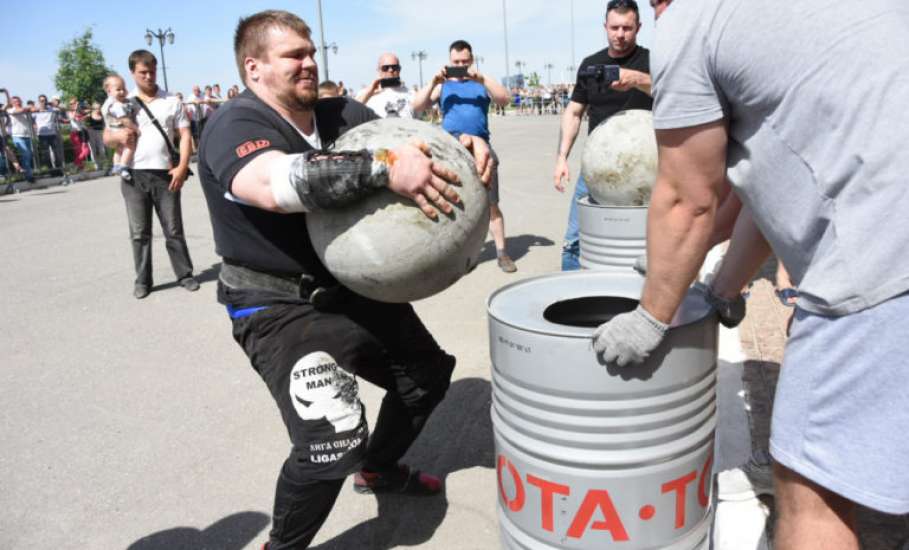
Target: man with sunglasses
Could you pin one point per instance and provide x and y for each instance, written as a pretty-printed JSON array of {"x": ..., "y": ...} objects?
[
  {"x": 814, "y": 145},
  {"x": 387, "y": 96},
  {"x": 602, "y": 100}
]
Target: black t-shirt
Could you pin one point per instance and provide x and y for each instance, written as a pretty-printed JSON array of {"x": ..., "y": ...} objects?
[
  {"x": 603, "y": 101},
  {"x": 238, "y": 132}
]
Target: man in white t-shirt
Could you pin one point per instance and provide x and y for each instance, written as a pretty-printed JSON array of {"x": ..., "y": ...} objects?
[
  {"x": 20, "y": 130},
  {"x": 387, "y": 95},
  {"x": 47, "y": 119},
  {"x": 156, "y": 180}
]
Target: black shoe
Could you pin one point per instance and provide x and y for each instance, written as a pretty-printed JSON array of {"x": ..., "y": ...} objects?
[
  {"x": 189, "y": 283},
  {"x": 140, "y": 291}
]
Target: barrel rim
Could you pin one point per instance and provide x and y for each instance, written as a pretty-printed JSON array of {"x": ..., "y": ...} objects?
[
  {"x": 585, "y": 201},
  {"x": 693, "y": 309}
]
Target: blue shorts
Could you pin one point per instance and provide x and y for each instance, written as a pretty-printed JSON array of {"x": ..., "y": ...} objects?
[{"x": 841, "y": 412}]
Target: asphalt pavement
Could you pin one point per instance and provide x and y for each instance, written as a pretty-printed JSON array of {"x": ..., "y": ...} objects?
[{"x": 139, "y": 424}]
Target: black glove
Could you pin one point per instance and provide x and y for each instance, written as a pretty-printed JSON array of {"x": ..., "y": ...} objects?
[{"x": 731, "y": 312}]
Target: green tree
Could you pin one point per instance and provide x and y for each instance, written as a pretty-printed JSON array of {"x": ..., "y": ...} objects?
[
  {"x": 82, "y": 69},
  {"x": 533, "y": 81}
]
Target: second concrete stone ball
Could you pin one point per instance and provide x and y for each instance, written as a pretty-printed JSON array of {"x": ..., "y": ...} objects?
[
  {"x": 619, "y": 162},
  {"x": 384, "y": 247}
]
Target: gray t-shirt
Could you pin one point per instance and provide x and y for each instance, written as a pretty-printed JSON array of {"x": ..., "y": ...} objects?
[{"x": 815, "y": 97}]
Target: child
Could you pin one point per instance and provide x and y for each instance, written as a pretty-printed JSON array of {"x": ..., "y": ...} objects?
[{"x": 120, "y": 112}]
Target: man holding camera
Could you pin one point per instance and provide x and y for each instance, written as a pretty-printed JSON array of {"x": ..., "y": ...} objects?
[
  {"x": 387, "y": 96},
  {"x": 157, "y": 177},
  {"x": 464, "y": 95},
  {"x": 601, "y": 93}
]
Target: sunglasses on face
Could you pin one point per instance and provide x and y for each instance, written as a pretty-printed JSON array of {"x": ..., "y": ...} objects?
[{"x": 389, "y": 68}]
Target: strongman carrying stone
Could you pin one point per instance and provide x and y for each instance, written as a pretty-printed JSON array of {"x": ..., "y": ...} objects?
[{"x": 263, "y": 163}]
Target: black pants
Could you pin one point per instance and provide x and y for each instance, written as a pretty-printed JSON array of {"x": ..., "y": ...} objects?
[
  {"x": 308, "y": 358},
  {"x": 148, "y": 190}
]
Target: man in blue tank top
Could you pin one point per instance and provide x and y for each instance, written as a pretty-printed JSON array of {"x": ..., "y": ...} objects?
[{"x": 464, "y": 101}]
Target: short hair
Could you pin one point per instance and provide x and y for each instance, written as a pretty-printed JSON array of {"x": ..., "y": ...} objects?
[
  {"x": 460, "y": 45},
  {"x": 251, "y": 36},
  {"x": 110, "y": 78},
  {"x": 623, "y": 6},
  {"x": 42, "y": 95},
  {"x": 144, "y": 57},
  {"x": 328, "y": 86}
]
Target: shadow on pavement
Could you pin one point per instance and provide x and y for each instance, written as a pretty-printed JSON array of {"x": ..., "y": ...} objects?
[
  {"x": 517, "y": 247},
  {"x": 207, "y": 275},
  {"x": 458, "y": 436},
  {"x": 231, "y": 533}
]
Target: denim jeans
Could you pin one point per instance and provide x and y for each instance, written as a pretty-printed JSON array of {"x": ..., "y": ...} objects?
[
  {"x": 147, "y": 191},
  {"x": 571, "y": 247},
  {"x": 24, "y": 147}
]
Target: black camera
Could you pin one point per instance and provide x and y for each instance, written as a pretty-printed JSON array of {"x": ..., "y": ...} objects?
[
  {"x": 599, "y": 73},
  {"x": 392, "y": 82}
]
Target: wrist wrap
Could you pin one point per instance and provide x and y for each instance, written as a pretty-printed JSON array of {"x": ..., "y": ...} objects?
[{"x": 329, "y": 179}]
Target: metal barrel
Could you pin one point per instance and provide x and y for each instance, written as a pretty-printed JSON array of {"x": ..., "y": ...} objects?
[
  {"x": 611, "y": 237},
  {"x": 590, "y": 455}
]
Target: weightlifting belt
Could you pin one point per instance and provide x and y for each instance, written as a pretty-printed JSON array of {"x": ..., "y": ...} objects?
[{"x": 301, "y": 286}]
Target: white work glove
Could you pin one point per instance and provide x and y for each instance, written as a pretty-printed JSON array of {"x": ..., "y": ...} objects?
[{"x": 629, "y": 337}]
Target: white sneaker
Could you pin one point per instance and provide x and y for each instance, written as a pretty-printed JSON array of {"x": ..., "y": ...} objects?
[{"x": 745, "y": 482}]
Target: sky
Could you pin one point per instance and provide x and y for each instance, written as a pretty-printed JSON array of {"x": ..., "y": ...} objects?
[{"x": 539, "y": 33}]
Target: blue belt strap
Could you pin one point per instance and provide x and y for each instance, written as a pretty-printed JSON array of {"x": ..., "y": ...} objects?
[{"x": 243, "y": 312}]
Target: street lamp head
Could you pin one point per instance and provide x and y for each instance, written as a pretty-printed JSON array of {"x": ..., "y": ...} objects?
[
  {"x": 170, "y": 37},
  {"x": 148, "y": 38}
]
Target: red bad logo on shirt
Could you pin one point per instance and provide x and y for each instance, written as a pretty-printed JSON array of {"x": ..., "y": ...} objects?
[{"x": 251, "y": 147}]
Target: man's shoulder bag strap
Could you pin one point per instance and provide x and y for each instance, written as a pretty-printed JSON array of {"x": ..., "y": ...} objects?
[{"x": 174, "y": 155}]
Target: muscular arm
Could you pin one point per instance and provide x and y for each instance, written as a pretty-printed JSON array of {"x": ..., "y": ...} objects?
[
  {"x": 747, "y": 251},
  {"x": 690, "y": 180},
  {"x": 315, "y": 180},
  {"x": 726, "y": 215},
  {"x": 568, "y": 132}
]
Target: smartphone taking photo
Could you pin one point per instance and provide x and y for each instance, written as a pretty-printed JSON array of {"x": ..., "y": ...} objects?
[
  {"x": 391, "y": 82},
  {"x": 456, "y": 72}
]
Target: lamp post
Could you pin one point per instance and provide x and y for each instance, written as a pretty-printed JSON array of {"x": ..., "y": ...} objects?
[
  {"x": 324, "y": 46},
  {"x": 161, "y": 36},
  {"x": 419, "y": 56},
  {"x": 549, "y": 67},
  {"x": 478, "y": 59},
  {"x": 505, "y": 30}
]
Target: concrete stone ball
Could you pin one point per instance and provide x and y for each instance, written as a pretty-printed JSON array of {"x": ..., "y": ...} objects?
[
  {"x": 619, "y": 163},
  {"x": 384, "y": 247}
]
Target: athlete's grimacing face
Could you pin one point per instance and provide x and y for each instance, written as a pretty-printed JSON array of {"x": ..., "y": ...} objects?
[{"x": 289, "y": 69}]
